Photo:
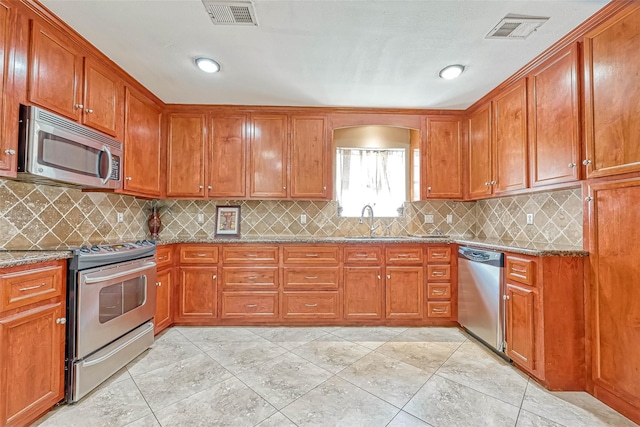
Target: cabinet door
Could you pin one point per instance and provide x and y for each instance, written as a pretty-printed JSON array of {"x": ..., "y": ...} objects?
[
  {"x": 555, "y": 120},
  {"x": 103, "y": 99},
  {"x": 614, "y": 292},
  {"x": 198, "y": 294},
  {"x": 162, "y": 318},
  {"x": 268, "y": 157},
  {"x": 363, "y": 293},
  {"x": 55, "y": 77},
  {"x": 404, "y": 293},
  {"x": 141, "y": 146},
  {"x": 309, "y": 158},
  {"x": 480, "y": 153},
  {"x": 444, "y": 158},
  {"x": 186, "y": 155},
  {"x": 510, "y": 136},
  {"x": 227, "y": 162},
  {"x": 520, "y": 325},
  {"x": 612, "y": 96},
  {"x": 8, "y": 141},
  {"x": 32, "y": 360}
]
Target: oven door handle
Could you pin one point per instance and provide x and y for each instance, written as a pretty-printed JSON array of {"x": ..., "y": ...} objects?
[{"x": 91, "y": 280}]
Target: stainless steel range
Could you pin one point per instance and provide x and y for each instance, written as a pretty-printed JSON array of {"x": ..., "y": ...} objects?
[{"x": 110, "y": 308}]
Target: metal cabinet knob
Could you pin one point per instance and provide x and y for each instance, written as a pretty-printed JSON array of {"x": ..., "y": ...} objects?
[
  {"x": 505, "y": 297},
  {"x": 428, "y": 188},
  {"x": 79, "y": 106},
  {"x": 201, "y": 186},
  {"x": 61, "y": 321},
  {"x": 10, "y": 152},
  {"x": 128, "y": 178},
  {"x": 324, "y": 188},
  {"x": 215, "y": 276},
  {"x": 388, "y": 276},
  {"x": 588, "y": 198},
  {"x": 379, "y": 277},
  {"x": 494, "y": 182},
  {"x": 158, "y": 284},
  {"x": 284, "y": 188},
  {"x": 586, "y": 162},
  {"x": 487, "y": 183},
  {"x": 209, "y": 187},
  {"x": 572, "y": 165},
  {"x": 89, "y": 110}
]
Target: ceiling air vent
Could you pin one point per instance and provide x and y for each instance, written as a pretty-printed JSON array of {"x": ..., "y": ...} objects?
[
  {"x": 231, "y": 12},
  {"x": 516, "y": 27}
]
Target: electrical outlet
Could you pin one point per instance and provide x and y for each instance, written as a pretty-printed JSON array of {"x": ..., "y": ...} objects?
[
  {"x": 449, "y": 219},
  {"x": 200, "y": 218},
  {"x": 428, "y": 219},
  {"x": 303, "y": 219},
  {"x": 529, "y": 219},
  {"x": 120, "y": 217}
]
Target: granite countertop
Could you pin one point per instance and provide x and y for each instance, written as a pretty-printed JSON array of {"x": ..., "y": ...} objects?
[
  {"x": 16, "y": 258},
  {"x": 525, "y": 248}
]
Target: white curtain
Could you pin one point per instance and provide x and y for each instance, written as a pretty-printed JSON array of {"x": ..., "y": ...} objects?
[{"x": 373, "y": 177}]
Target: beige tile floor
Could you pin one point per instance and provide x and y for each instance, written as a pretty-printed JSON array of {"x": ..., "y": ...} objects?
[{"x": 323, "y": 376}]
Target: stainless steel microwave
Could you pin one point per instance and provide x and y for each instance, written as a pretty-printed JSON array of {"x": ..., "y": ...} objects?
[{"x": 54, "y": 149}]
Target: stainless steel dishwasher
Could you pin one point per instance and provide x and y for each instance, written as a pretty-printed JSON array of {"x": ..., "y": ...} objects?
[{"x": 480, "y": 304}]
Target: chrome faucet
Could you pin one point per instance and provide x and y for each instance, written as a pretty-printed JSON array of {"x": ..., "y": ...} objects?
[{"x": 371, "y": 227}]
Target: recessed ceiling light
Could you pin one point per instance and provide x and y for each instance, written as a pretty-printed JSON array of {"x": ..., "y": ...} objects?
[
  {"x": 208, "y": 65},
  {"x": 451, "y": 71}
]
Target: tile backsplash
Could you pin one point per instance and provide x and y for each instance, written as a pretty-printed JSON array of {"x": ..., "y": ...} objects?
[{"x": 41, "y": 216}]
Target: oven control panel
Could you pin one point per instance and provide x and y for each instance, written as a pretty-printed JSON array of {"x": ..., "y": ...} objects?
[{"x": 117, "y": 247}]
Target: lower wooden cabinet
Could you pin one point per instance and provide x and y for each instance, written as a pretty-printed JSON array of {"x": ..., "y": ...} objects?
[
  {"x": 363, "y": 293},
  {"x": 164, "y": 288},
  {"x": 520, "y": 337},
  {"x": 404, "y": 292},
  {"x": 197, "y": 297},
  {"x": 32, "y": 341}
]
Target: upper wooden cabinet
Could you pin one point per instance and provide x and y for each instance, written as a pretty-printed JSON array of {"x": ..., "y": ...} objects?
[
  {"x": 227, "y": 161},
  {"x": 8, "y": 131},
  {"x": 186, "y": 155},
  {"x": 62, "y": 80},
  {"x": 443, "y": 169},
  {"x": 268, "y": 157},
  {"x": 480, "y": 153},
  {"x": 310, "y": 171},
  {"x": 612, "y": 95},
  {"x": 554, "y": 120},
  {"x": 142, "y": 146},
  {"x": 510, "y": 139}
]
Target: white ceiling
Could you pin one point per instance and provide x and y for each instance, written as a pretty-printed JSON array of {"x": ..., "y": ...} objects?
[{"x": 344, "y": 53}]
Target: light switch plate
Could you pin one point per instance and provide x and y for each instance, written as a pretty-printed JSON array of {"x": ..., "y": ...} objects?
[
  {"x": 428, "y": 219},
  {"x": 303, "y": 219},
  {"x": 449, "y": 219},
  {"x": 200, "y": 218},
  {"x": 120, "y": 217},
  {"x": 529, "y": 219}
]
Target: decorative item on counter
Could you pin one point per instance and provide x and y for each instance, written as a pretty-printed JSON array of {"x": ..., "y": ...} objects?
[
  {"x": 228, "y": 221},
  {"x": 155, "y": 222}
]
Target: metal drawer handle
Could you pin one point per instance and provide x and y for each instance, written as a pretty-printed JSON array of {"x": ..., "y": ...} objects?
[
  {"x": 10, "y": 152},
  {"x": 32, "y": 287},
  {"x": 439, "y": 310},
  {"x": 251, "y": 305},
  {"x": 517, "y": 270},
  {"x": 311, "y": 305},
  {"x": 163, "y": 258},
  {"x": 438, "y": 273},
  {"x": 437, "y": 292},
  {"x": 437, "y": 255},
  {"x": 251, "y": 255},
  {"x": 201, "y": 254},
  {"x": 252, "y": 277},
  {"x": 311, "y": 255},
  {"x": 402, "y": 255},
  {"x": 310, "y": 277},
  {"x": 361, "y": 255}
]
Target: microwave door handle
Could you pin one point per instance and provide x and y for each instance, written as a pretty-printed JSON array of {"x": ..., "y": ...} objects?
[
  {"x": 98, "y": 279},
  {"x": 106, "y": 150}
]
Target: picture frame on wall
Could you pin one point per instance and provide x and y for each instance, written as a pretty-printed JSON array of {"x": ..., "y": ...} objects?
[{"x": 227, "y": 221}]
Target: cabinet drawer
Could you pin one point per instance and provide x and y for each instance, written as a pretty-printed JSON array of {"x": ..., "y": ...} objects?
[
  {"x": 439, "y": 309},
  {"x": 250, "y": 277},
  {"x": 438, "y": 272},
  {"x": 442, "y": 254},
  {"x": 23, "y": 287},
  {"x": 205, "y": 254},
  {"x": 263, "y": 305},
  {"x": 315, "y": 278},
  {"x": 250, "y": 255},
  {"x": 404, "y": 255},
  {"x": 164, "y": 256},
  {"x": 363, "y": 254},
  {"x": 438, "y": 290},
  {"x": 311, "y": 254},
  {"x": 303, "y": 305},
  {"x": 520, "y": 270}
]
